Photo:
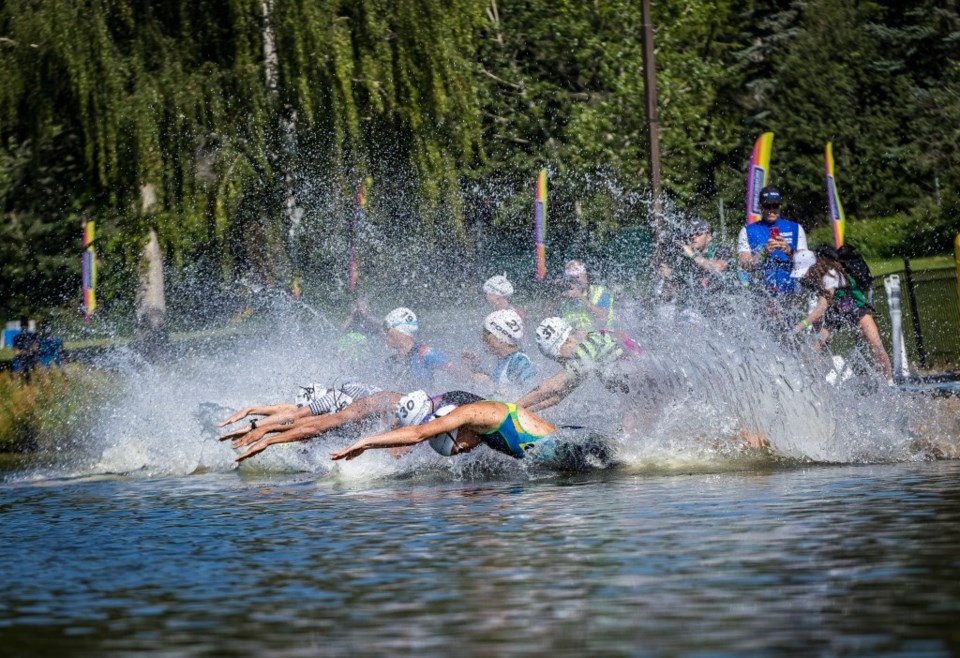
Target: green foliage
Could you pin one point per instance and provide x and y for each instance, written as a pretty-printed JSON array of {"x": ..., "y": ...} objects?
[
  {"x": 451, "y": 107},
  {"x": 878, "y": 238},
  {"x": 51, "y": 407},
  {"x": 923, "y": 231}
]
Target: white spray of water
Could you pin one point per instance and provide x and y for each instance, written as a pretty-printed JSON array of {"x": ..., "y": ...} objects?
[{"x": 707, "y": 385}]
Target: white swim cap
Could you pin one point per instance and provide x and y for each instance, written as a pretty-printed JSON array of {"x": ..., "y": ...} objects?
[
  {"x": 413, "y": 408},
  {"x": 403, "y": 320},
  {"x": 506, "y": 325},
  {"x": 551, "y": 334},
  {"x": 444, "y": 443},
  {"x": 498, "y": 285},
  {"x": 308, "y": 394}
]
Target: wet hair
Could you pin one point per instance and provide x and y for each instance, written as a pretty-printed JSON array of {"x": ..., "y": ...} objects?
[{"x": 818, "y": 270}]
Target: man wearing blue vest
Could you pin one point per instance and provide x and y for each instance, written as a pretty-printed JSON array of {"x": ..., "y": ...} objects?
[{"x": 766, "y": 247}]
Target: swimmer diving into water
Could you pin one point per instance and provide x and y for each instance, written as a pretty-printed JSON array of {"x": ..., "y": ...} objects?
[
  {"x": 613, "y": 358},
  {"x": 381, "y": 406},
  {"x": 312, "y": 400},
  {"x": 501, "y": 426},
  {"x": 330, "y": 416}
]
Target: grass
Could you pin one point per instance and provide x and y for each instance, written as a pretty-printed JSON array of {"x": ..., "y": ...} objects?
[
  {"x": 882, "y": 267},
  {"x": 54, "y": 405}
]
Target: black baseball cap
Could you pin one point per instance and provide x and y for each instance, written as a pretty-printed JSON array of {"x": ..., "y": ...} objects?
[{"x": 770, "y": 196}]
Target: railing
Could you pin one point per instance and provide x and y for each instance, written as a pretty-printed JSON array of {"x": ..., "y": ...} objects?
[{"x": 931, "y": 317}]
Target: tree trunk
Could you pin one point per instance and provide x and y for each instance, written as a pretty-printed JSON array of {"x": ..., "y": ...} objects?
[{"x": 151, "y": 314}]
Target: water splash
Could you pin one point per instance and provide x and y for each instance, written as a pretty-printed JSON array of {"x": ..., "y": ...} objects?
[
  {"x": 716, "y": 369},
  {"x": 707, "y": 384}
]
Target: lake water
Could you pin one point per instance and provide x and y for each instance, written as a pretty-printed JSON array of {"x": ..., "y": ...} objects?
[
  {"x": 772, "y": 559},
  {"x": 143, "y": 537}
]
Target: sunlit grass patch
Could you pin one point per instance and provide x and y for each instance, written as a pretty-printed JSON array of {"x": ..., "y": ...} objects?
[{"x": 50, "y": 407}]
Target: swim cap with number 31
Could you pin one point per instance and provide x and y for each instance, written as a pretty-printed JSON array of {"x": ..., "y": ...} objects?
[{"x": 551, "y": 335}]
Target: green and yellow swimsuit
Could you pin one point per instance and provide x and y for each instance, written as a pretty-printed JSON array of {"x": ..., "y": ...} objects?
[{"x": 510, "y": 438}]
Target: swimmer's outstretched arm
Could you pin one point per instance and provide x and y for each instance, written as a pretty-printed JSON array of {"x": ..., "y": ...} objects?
[
  {"x": 267, "y": 410},
  {"x": 274, "y": 420},
  {"x": 382, "y": 403},
  {"x": 480, "y": 416},
  {"x": 549, "y": 392}
]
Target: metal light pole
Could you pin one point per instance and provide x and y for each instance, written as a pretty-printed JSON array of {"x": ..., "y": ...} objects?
[{"x": 650, "y": 92}]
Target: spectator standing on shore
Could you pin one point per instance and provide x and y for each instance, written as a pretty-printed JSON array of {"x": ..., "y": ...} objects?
[
  {"x": 708, "y": 256},
  {"x": 700, "y": 276},
  {"x": 26, "y": 349},
  {"x": 766, "y": 248}
]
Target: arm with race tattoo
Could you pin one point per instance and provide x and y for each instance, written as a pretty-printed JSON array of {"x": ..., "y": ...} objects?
[
  {"x": 258, "y": 411},
  {"x": 271, "y": 423},
  {"x": 378, "y": 404}
]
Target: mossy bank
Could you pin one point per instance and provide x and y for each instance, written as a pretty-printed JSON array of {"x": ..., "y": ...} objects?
[{"x": 51, "y": 407}]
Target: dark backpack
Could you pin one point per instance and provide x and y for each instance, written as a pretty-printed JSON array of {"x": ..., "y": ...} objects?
[{"x": 848, "y": 256}]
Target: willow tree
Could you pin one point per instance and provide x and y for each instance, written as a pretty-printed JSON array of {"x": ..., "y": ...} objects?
[{"x": 175, "y": 95}]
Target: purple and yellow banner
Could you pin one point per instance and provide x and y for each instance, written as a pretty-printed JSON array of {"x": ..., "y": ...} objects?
[
  {"x": 88, "y": 267},
  {"x": 360, "y": 202},
  {"x": 540, "y": 224},
  {"x": 758, "y": 175},
  {"x": 837, "y": 219}
]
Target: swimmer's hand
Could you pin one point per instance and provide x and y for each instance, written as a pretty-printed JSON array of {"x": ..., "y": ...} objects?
[
  {"x": 350, "y": 452},
  {"x": 253, "y": 436},
  {"x": 240, "y": 415},
  {"x": 235, "y": 433},
  {"x": 255, "y": 449}
]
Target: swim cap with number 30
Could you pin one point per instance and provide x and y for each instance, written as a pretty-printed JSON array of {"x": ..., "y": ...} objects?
[{"x": 413, "y": 408}]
